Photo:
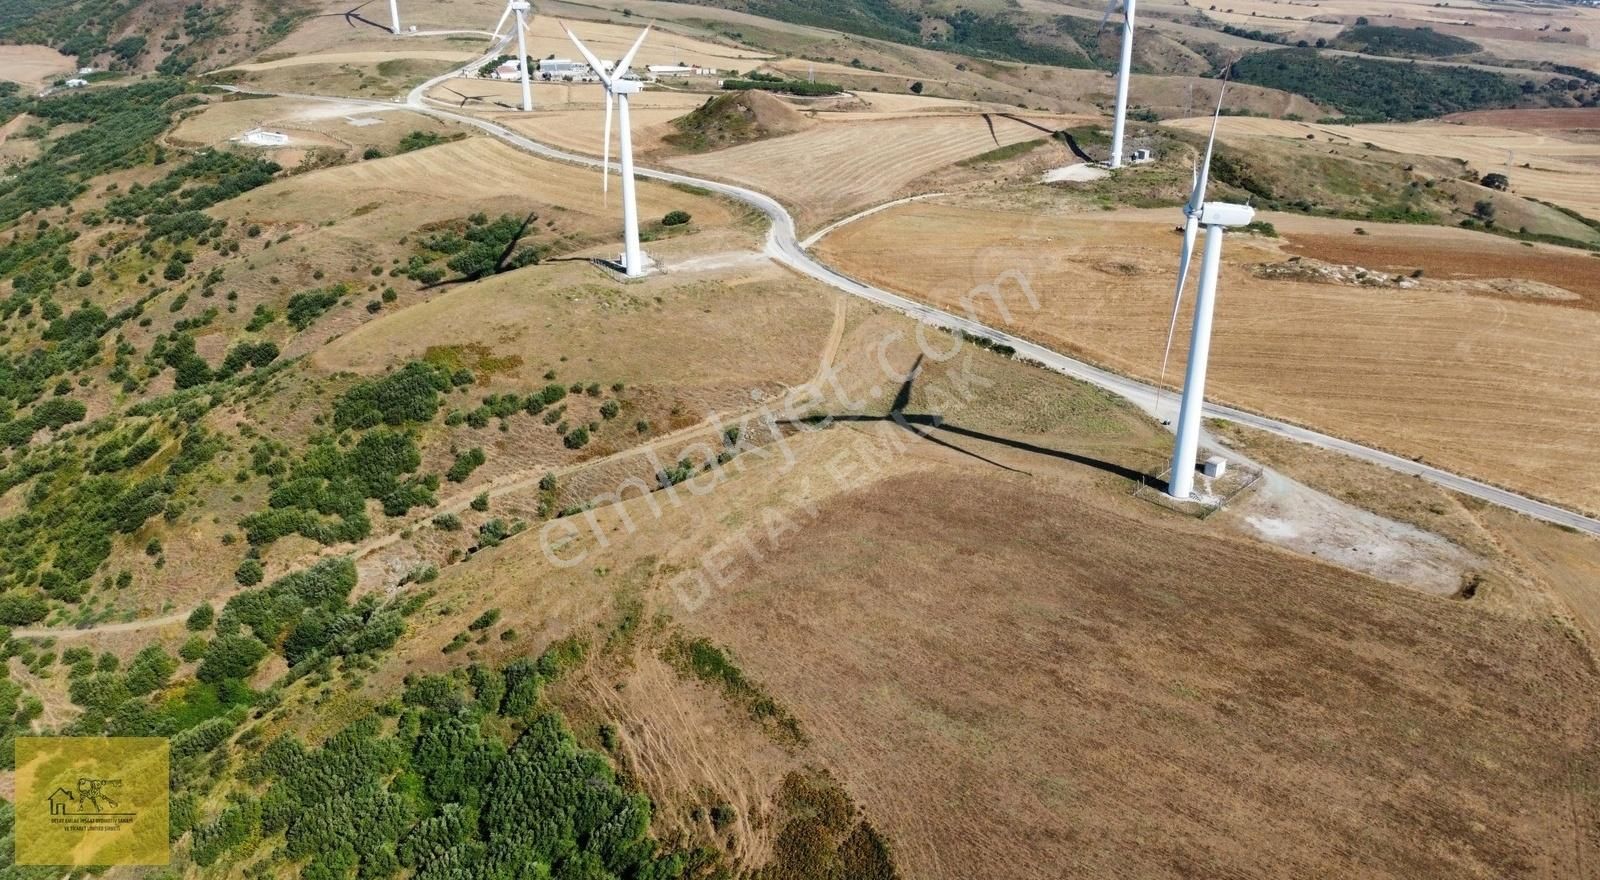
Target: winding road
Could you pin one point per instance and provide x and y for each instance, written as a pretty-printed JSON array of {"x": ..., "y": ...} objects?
[{"x": 784, "y": 246}]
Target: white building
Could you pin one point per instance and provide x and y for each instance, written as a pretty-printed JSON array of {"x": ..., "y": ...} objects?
[
  {"x": 259, "y": 137},
  {"x": 76, "y": 83},
  {"x": 510, "y": 70},
  {"x": 657, "y": 71}
]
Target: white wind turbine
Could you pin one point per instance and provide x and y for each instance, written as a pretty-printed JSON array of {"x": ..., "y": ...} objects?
[
  {"x": 618, "y": 88},
  {"x": 520, "y": 9},
  {"x": 1124, "y": 71},
  {"x": 394, "y": 16},
  {"x": 1216, "y": 217}
]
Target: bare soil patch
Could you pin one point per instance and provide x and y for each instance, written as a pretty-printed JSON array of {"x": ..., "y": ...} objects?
[{"x": 33, "y": 66}]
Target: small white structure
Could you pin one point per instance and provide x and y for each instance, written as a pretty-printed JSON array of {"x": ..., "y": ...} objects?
[
  {"x": 559, "y": 67},
  {"x": 85, "y": 71},
  {"x": 258, "y": 137},
  {"x": 76, "y": 83},
  {"x": 509, "y": 70},
  {"x": 658, "y": 71},
  {"x": 1140, "y": 157},
  {"x": 1214, "y": 467}
]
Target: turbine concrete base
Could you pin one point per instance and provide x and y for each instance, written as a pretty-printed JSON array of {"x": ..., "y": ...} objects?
[
  {"x": 1210, "y": 495},
  {"x": 615, "y": 269}
]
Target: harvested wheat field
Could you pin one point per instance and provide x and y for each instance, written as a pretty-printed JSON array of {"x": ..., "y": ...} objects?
[
  {"x": 545, "y": 38},
  {"x": 833, "y": 169},
  {"x": 33, "y": 66},
  {"x": 1489, "y": 370},
  {"x": 1565, "y": 170},
  {"x": 1021, "y": 696}
]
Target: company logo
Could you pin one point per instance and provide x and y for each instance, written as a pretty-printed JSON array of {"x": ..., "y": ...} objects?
[{"x": 92, "y": 801}]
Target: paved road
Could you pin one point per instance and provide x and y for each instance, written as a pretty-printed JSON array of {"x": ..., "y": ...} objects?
[{"x": 784, "y": 246}]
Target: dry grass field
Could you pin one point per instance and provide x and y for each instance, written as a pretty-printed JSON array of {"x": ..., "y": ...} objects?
[
  {"x": 1565, "y": 34},
  {"x": 1565, "y": 161},
  {"x": 833, "y": 169},
  {"x": 398, "y": 194},
  {"x": 1022, "y": 695},
  {"x": 570, "y": 116},
  {"x": 1486, "y": 368},
  {"x": 663, "y": 46},
  {"x": 675, "y": 332},
  {"x": 368, "y": 58},
  {"x": 345, "y": 128},
  {"x": 1003, "y": 667},
  {"x": 33, "y": 67}
]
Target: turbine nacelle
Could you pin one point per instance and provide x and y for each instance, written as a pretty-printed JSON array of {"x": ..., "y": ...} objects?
[
  {"x": 1226, "y": 215},
  {"x": 625, "y": 87}
]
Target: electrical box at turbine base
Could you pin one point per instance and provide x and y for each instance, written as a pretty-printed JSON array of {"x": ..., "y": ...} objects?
[{"x": 1214, "y": 467}]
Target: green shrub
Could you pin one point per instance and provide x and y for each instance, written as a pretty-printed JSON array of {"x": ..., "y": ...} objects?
[
  {"x": 202, "y": 617},
  {"x": 194, "y": 649},
  {"x": 465, "y": 464},
  {"x": 249, "y": 573}
]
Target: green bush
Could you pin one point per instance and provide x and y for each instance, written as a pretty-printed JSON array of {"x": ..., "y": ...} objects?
[
  {"x": 204, "y": 615},
  {"x": 249, "y": 573},
  {"x": 675, "y": 218},
  {"x": 465, "y": 464},
  {"x": 408, "y": 395}
]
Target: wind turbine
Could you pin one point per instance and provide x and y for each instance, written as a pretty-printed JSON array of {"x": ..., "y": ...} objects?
[
  {"x": 618, "y": 87},
  {"x": 1124, "y": 71},
  {"x": 1191, "y": 232},
  {"x": 520, "y": 8},
  {"x": 394, "y": 16},
  {"x": 1216, "y": 217}
]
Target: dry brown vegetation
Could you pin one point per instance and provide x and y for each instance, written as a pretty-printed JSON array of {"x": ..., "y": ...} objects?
[
  {"x": 1562, "y": 161},
  {"x": 1477, "y": 372},
  {"x": 1083, "y": 682}
]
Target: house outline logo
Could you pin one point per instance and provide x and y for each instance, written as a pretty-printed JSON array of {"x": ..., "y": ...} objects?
[{"x": 59, "y": 799}]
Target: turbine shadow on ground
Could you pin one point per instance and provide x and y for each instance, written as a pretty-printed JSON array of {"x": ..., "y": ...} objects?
[
  {"x": 924, "y": 425},
  {"x": 1061, "y": 135},
  {"x": 353, "y": 15}
]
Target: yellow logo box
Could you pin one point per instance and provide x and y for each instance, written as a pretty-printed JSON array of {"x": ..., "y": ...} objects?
[{"x": 92, "y": 800}]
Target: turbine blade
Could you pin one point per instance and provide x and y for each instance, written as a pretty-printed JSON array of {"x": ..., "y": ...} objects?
[
  {"x": 594, "y": 63},
  {"x": 1111, "y": 9},
  {"x": 621, "y": 69},
  {"x": 1191, "y": 232},
  {"x": 605, "y": 169},
  {"x": 1211, "y": 145},
  {"x": 502, "y": 22}
]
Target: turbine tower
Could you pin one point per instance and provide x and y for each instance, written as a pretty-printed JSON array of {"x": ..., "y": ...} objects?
[
  {"x": 521, "y": 8},
  {"x": 1124, "y": 72},
  {"x": 394, "y": 16},
  {"x": 1216, "y": 217},
  {"x": 618, "y": 87}
]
